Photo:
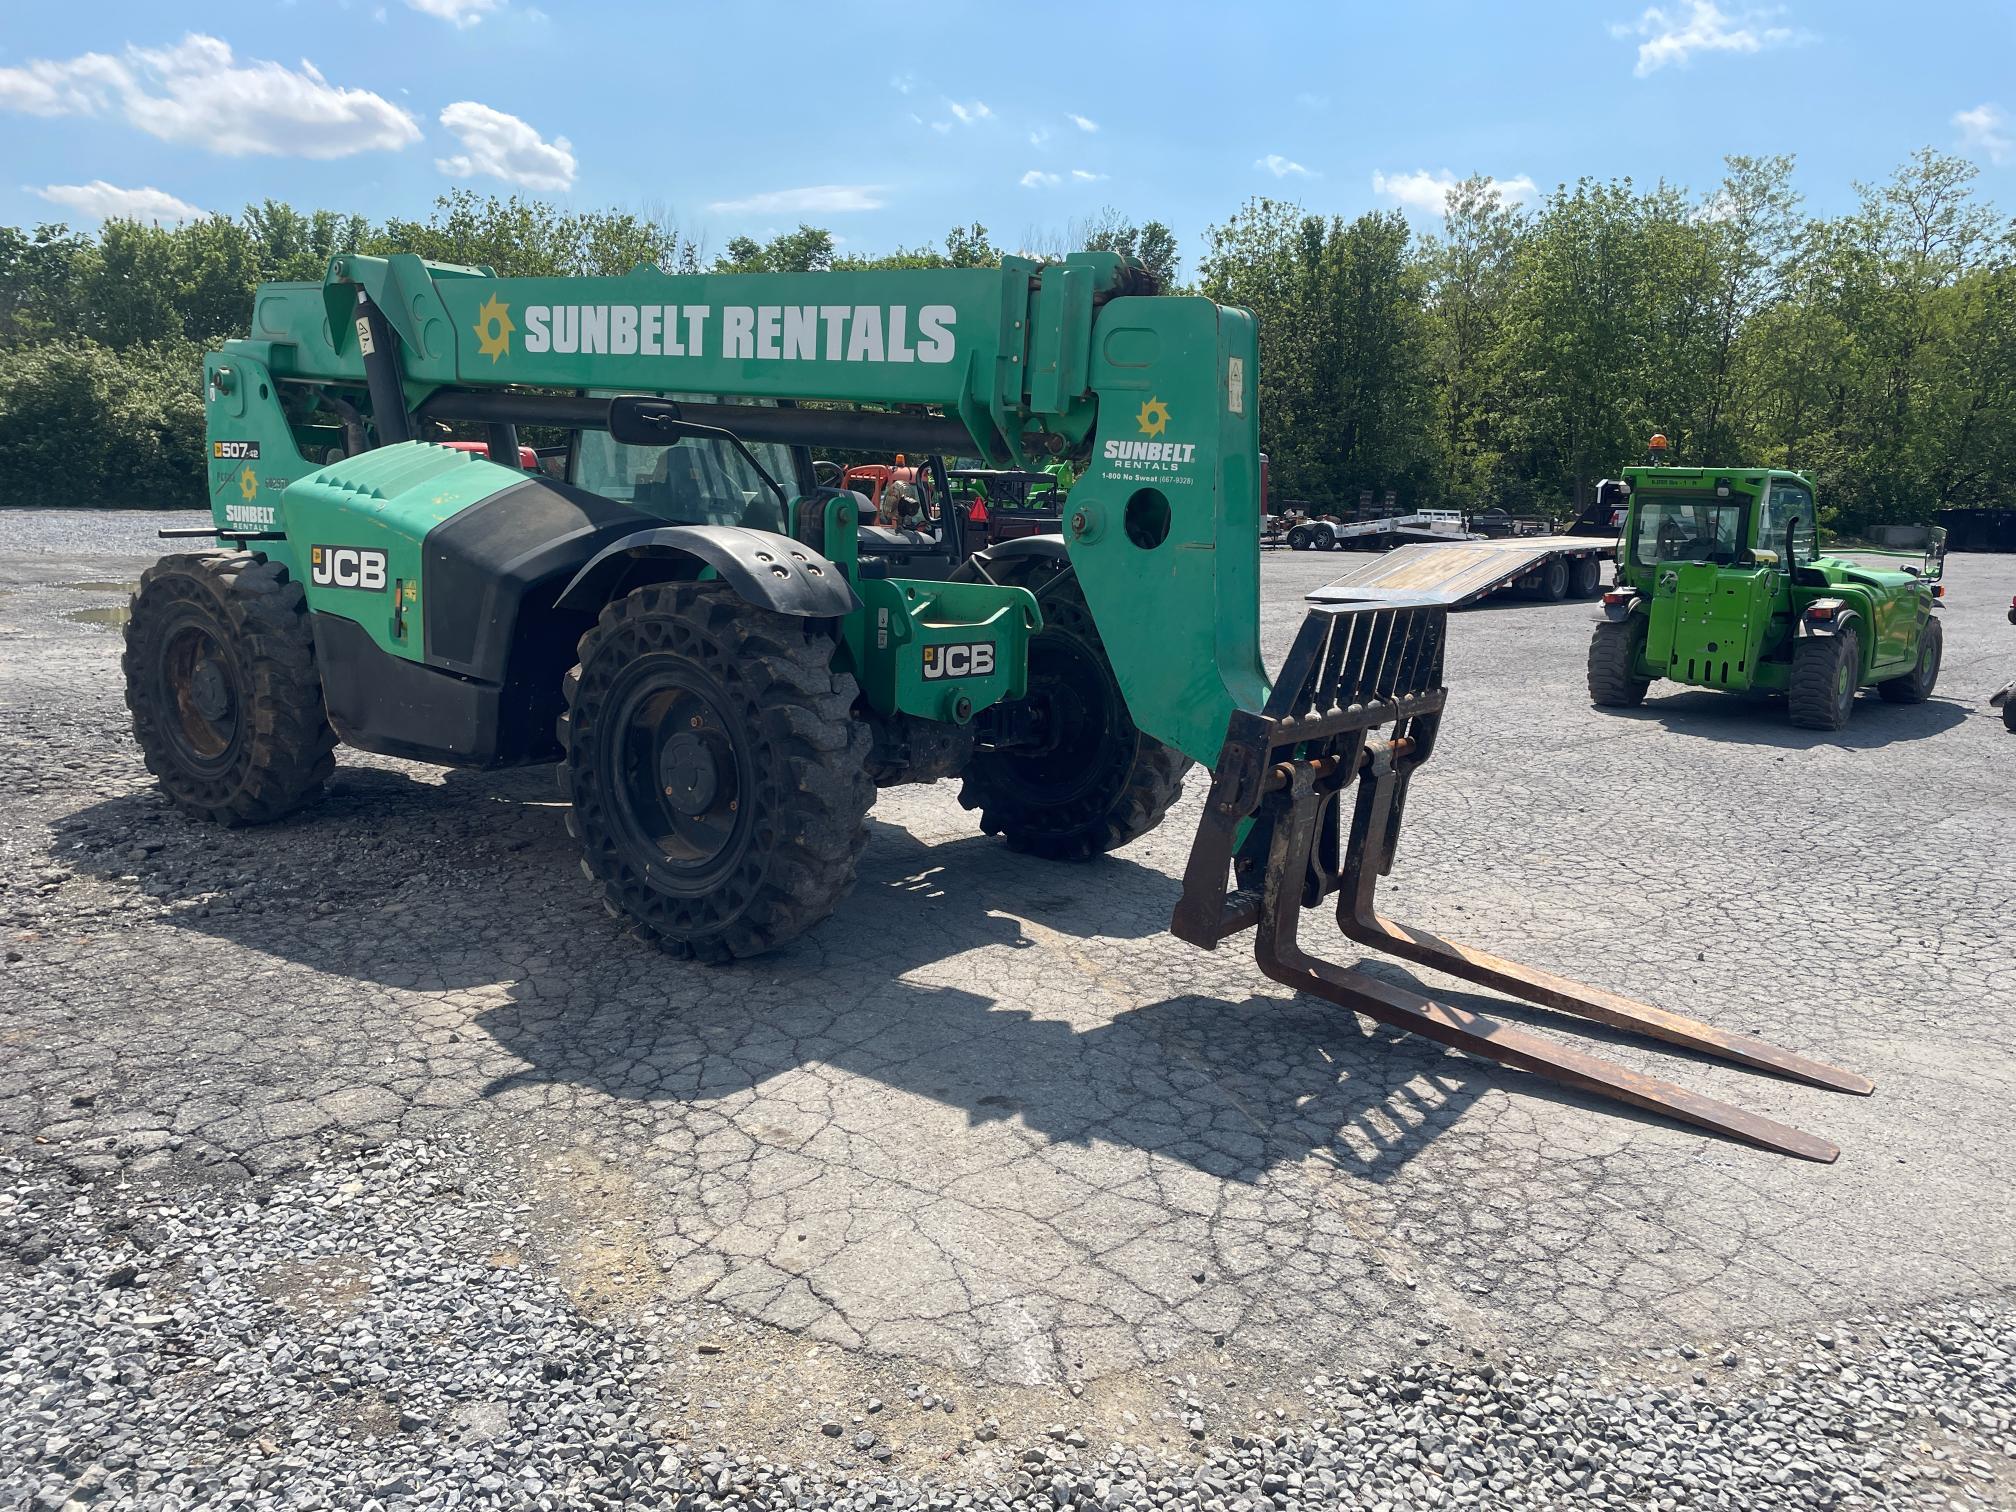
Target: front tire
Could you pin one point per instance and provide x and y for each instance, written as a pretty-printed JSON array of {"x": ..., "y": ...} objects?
[
  {"x": 1916, "y": 685},
  {"x": 1100, "y": 782},
  {"x": 1825, "y": 672},
  {"x": 1613, "y": 657},
  {"x": 717, "y": 777},
  {"x": 223, "y": 687}
]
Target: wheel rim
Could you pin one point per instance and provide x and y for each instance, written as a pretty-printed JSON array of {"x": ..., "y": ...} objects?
[
  {"x": 1079, "y": 701},
  {"x": 202, "y": 689},
  {"x": 676, "y": 762}
]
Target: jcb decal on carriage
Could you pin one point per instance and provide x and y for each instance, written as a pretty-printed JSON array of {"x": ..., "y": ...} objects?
[
  {"x": 966, "y": 659},
  {"x": 360, "y": 567}
]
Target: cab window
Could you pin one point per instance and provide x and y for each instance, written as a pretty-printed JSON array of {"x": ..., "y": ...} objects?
[
  {"x": 691, "y": 482},
  {"x": 1687, "y": 528},
  {"x": 1789, "y": 505}
]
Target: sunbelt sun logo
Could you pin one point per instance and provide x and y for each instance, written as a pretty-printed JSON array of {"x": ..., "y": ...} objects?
[{"x": 752, "y": 333}]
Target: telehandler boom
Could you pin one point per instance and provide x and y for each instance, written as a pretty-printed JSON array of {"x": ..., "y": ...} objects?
[{"x": 725, "y": 661}]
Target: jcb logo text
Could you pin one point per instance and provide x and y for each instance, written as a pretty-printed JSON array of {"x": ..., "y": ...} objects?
[
  {"x": 971, "y": 659},
  {"x": 347, "y": 567}
]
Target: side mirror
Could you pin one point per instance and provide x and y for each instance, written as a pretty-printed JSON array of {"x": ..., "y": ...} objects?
[{"x": 641, "y": 420}]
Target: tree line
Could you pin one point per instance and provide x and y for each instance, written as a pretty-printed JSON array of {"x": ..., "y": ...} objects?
[{"x": 1511, "y": 359}]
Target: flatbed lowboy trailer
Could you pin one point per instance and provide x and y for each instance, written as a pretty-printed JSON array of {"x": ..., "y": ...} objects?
[{"x": 1457, "y": 573}]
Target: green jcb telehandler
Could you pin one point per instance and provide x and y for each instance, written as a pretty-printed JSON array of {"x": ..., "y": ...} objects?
[
  {"x": 726, "y": 663},
  {"x": 1720, "y": 585}
]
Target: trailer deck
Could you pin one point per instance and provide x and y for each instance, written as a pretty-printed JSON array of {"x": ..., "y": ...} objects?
[{"x": 1457, "y": 572}]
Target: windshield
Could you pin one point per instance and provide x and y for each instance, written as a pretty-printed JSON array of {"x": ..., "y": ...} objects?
[
  {"x": 691, "y": 482},
  {"x": 1687, "y": 528}
]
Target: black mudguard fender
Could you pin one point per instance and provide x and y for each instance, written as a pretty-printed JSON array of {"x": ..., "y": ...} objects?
[{"x": 769, "y": 570}]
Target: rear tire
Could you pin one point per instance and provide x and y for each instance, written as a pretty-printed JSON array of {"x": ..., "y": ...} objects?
[
  {"x": 1103, "y": 783},
  {"x": 1916, "y": 685},
  {"x": 1585, "y": 577},
  {"x": 2009, "y": 715},
  {"x": 716, "y": 775},
  {"x": 221, "y": 680},
  {"x": 1825, "y": 672},
  {"x": 1613, "y": 653}
]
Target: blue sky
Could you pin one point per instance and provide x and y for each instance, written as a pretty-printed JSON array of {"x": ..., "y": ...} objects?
[{"x": 889, "y": 122}]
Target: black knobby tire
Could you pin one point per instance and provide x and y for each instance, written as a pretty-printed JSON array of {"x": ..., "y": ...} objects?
[
  {"x": 1826, "y": 669},
  {"x": 2009, "y": 714},
  {"x": 685, "y": 686},
  {"x": 1916, "y": 685},
  {"x": 1101, "y": 783},
  {"x": 1585, "y": 577},
  {"x": 223, "y": 687},
  {"x": 1613, "y": 650}
]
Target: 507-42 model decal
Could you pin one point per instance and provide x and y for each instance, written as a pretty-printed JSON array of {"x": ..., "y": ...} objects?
[
  {"x": 360, "y": 567},
  {"x": 967, "y": 659}
]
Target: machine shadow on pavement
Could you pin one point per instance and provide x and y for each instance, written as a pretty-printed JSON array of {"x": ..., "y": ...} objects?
[
  {"x": 1232, "y": 1088},
  {"x": 1757, "y": 720}
]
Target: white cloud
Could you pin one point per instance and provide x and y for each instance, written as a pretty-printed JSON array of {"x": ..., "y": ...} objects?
[
  {"x": 504, "y": 147},
  {"x": 1429, "y": 192},
  {"x": 1282, "y": 167},
  {"x": 817, "y": 199},
  {"x": 1084, "y": 123},
  {"x": 1986, "y": 129},
  {"x": 971, "y": 113},
  {"x": 903, "y": 83},
  {"x": 1036, "y": 178},
  {"x": 456, "y": 12},
  {"x": 84, "y": 85},
  {"x": 196, "y": 94},
  {"x": 1040, "y": 137},
  {"x": 101, "y": 201},
  {"x": 1086, "y": 178},
  {"x": 1674, "y": 36}
]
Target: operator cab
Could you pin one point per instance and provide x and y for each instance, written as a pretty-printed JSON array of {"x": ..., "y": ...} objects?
[{"x": 717, "y": 479}]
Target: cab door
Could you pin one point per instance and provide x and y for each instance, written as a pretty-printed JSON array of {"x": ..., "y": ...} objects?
[{"x": 1786, "y": 510}]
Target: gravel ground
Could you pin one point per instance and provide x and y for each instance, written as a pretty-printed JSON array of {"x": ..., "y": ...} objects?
[{"x": 357, "y": 1162}]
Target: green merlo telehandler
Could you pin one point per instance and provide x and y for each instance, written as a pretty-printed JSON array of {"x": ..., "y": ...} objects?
[
  {"x": 726, "y": 663},
  {"x": 1720, "y": 584}
]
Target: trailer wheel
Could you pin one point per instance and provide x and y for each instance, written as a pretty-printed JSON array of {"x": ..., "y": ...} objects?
[
  {"x": 1100, "y": 782},
  {"x": 1552, "y": 584},
  {"x": 1585, "y": 577},
  {"x": 717, "y": 779},
  {"x": 221, "y": 680},
  {"x": 1613, "y": 654},
  {"x": 1825, "y": 672},
  {"x": 1917, "y": 684},
  {"x": 1300, "y": 538}
]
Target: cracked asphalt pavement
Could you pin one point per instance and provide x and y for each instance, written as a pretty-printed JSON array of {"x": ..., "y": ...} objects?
[{"x": 994, "y": 1133}]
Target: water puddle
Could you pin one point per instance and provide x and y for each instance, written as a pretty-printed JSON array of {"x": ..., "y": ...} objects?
[
  {"x": 112, "y": 614},
  {"x": 129, "y": 589}
]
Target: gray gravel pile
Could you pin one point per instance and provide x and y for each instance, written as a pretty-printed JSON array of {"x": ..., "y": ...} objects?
[{"x": 369, "y": 1333}]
